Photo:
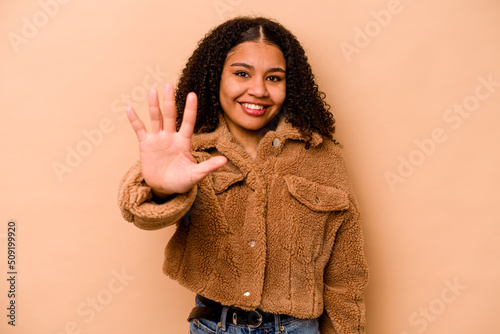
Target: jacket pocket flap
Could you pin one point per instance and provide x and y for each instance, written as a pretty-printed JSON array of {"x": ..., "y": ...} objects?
[
  {"x": 223, "y": 180},
  {"x": 315, "y": 196}
]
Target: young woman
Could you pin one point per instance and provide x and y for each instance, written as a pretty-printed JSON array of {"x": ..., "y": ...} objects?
[{"x": 243, "y": 161}]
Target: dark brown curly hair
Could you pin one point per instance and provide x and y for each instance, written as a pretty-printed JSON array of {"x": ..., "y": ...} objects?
[{"x": 304, "y": 106}]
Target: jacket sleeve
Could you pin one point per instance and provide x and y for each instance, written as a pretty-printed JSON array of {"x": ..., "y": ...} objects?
[
  {"x": 135, "y": 199},
  {"x": 345, "y": 278}
]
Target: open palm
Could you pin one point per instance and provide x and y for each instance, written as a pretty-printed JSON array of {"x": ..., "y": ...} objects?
[{"x": 166, "y": 161}]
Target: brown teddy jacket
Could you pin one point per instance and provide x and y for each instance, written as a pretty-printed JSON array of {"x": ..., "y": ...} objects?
[{"x": 280, "y": 233}]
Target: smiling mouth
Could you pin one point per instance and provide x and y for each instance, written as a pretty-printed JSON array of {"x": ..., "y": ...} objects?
[{"x": 254, "y": 109}]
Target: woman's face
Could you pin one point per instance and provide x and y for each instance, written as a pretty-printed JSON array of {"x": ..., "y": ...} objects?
[{"x": 252, "y": 87}]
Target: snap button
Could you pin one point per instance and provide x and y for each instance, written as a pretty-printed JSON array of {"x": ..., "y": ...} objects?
[
  {"x": 252, "y": 243},
  {"x": 276, "y": 142},
  {"x": 246, "y": 294}
]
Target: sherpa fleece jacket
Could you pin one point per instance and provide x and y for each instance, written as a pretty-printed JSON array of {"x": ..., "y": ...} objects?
[{"x": 280, "y": 233}]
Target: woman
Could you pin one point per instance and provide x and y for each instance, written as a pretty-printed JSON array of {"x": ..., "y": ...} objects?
[{"x": 243, "y": 161}]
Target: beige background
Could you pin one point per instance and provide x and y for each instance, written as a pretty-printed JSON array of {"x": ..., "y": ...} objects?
[{"x": 396, "y": 73}]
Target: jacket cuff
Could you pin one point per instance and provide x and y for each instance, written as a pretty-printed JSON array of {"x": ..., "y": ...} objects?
[{"x": 135, "y": 199}]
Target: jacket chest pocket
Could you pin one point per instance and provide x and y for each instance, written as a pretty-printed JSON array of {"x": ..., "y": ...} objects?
[
  {"x": 227, "y": 189},
  {"x": 311, "y": 206}
]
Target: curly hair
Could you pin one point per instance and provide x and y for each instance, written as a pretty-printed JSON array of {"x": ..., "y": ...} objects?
[{"x": 304, "y": 106}]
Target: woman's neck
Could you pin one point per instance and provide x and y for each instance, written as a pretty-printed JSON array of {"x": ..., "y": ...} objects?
[{"x": 249, "y": 141}]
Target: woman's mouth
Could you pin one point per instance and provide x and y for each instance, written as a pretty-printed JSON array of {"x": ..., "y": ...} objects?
[{"x": 254, "y": 109}]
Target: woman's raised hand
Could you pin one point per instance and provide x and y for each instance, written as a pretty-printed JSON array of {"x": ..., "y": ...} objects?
[{"x": 166, "y": 161}]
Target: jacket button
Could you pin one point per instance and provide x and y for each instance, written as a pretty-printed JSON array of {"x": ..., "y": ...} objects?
[
  {"x": 252, "y": 243},
  {"x": 276, "y": 142},
  {"x": 246, "y": 294}
]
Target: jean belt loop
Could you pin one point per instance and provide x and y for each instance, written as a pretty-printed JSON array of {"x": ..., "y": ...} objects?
[
  {"x": 223, "y": 317},
  {"x": 277, "y": 323}
]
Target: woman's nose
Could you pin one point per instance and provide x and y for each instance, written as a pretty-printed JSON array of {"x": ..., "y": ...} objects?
[{"x": 258, "y": 88}]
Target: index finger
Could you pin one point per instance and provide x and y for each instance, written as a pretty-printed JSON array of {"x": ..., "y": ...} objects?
[{"x": 189, "y": 116}]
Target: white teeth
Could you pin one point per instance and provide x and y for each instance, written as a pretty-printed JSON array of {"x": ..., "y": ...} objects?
[{"x": 252, "y": 106}]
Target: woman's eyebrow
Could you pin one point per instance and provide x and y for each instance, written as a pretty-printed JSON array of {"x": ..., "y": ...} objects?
[{"x": 250, "y": 67}]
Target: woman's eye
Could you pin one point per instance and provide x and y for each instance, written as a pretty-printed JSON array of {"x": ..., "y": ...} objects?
[
  {"x": 274, "y": 78},
  {"x": 242, "y": 74}
]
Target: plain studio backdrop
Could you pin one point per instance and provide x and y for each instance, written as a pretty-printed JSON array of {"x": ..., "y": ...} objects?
[{"x": 415, "y": 89}]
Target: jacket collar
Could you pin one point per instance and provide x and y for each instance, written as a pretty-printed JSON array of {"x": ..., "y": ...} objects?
[{"x": 284, "y": 131}]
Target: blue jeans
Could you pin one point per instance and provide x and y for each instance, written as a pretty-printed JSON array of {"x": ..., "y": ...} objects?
[{"x": 288, "y": 326}]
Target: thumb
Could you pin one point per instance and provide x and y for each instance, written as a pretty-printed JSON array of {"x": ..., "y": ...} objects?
[{"x": 206, "y": 167}]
